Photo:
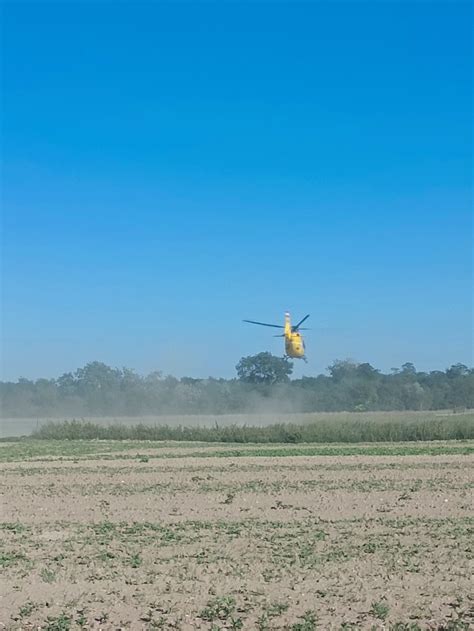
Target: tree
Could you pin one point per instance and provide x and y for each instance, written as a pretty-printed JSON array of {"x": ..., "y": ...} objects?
[
  {"x": 366, "y": 371},
  {"x": 264, "y": 368},
  {"x": 45, "y": 395},
  {"x": 99, "y": 386},
  {"x": 342, "y": 369},
  {"x": 408, "y": 369},
  {"x": 263, "y": 384},
  {"x": 457, "y": 370}
]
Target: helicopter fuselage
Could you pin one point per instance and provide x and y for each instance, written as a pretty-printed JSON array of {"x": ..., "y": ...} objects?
[{"x": 294, "y": 344}]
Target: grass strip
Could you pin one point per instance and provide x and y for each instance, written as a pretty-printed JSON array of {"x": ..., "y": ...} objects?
[{"x": 358, "y": 430}]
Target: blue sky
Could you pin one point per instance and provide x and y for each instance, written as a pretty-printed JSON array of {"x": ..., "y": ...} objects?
[{"x": 169, "y": 169}]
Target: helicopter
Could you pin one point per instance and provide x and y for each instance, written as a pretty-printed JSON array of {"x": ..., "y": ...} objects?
[{"x": 294, "y": 343}]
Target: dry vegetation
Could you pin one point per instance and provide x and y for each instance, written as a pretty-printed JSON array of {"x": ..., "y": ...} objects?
[
  {"x": 143, "y": 535},
  {"x": 116, "y": 424}
]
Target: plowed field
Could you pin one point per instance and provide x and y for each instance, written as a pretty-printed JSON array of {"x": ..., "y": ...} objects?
[{"x": 172, "y": 536}]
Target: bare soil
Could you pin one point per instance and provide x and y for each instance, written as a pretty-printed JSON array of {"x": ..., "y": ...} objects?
[{"x": 296, "y": 543}]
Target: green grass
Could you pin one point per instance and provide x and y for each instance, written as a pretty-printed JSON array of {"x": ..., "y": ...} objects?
[
  {"x": 10, "y": 558},
  {"x": 62, "y": 623},
  {"x": 294, "y": 546},
  {"x": 308, "y": 622},
  {"x": 231, "y": 490},
  {"x": 30, "y": 448},
  {"x": 34, "y": 450},
  {"x": 357, "y": 429},
  {"x": 380, "y": 610},
  {"x": 218, "y": 608},
  {"x": 47, "y": 575}
]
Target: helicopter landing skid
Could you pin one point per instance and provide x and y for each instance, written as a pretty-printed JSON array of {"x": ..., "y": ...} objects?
[{"x": 304, "y": 358}]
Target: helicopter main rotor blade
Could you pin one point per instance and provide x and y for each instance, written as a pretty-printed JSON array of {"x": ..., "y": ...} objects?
[
  {"x": 297, "y": 326},
  {"x": 275, "y": 326}
]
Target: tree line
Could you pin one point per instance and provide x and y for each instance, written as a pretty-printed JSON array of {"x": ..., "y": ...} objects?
[{"x": 263, "y": 384}]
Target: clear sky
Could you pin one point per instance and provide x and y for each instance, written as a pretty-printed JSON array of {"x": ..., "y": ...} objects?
[{"x": 172, "y": 168}]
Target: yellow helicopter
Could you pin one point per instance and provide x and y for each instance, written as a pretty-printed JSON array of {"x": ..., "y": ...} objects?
[{"x": 294, "y": 343}]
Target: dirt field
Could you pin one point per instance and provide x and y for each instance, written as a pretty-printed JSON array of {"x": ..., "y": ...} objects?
[{"x": 185, "y": 536}]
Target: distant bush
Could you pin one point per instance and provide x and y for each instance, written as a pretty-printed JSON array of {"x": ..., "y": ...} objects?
[{"x": 359, "y": 430}]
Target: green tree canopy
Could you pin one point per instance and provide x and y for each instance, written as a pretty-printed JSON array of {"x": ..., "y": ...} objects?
[
  {"x": 264, "y": 368},
  {"x": 99, "y": 390}
]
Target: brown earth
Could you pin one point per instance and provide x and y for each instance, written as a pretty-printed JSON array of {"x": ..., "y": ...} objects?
[{"x": 262, "y": 543}]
